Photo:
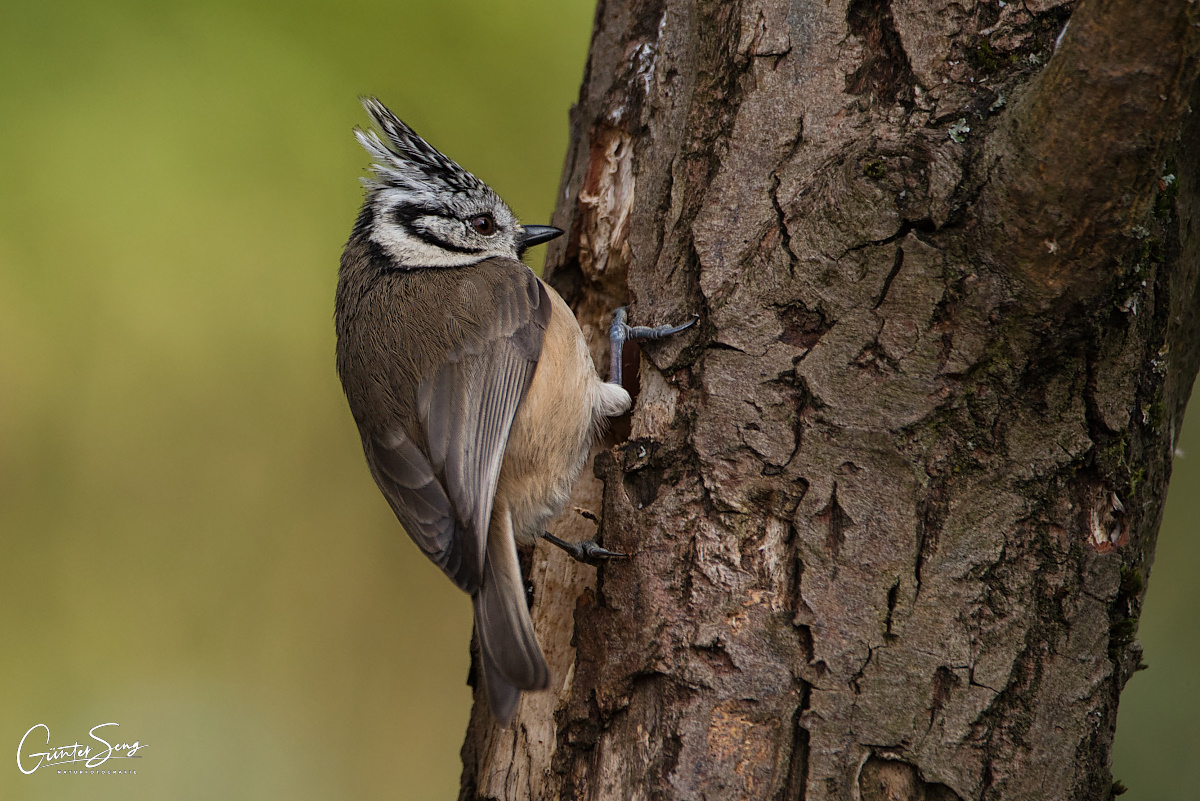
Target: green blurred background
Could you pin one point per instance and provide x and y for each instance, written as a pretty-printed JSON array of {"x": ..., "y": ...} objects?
[{"x": 191, "y": 544}]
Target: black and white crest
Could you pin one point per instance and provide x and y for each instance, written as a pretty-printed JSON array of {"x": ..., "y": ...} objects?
[{"x": 409, "y": 163}]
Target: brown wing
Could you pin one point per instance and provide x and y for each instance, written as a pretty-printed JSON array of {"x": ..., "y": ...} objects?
[{"x": 442, "y": 489}]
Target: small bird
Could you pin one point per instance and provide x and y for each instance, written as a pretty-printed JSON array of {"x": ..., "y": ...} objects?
[{"x": 471, "y": 384}]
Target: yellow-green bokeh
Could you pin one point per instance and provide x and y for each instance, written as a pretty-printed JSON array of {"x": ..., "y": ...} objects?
[{"x": 191, "y": 544}]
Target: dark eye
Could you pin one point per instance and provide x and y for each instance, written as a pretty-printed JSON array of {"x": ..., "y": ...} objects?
[{"x": 484, "y": 224}]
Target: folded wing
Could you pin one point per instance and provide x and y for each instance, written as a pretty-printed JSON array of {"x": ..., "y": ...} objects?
[{"x": 442, "y": 489}]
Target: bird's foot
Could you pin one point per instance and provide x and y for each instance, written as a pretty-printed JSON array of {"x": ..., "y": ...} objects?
[
  {"x": 587, "y": 551},
  {"x": 620, "y": 332}
]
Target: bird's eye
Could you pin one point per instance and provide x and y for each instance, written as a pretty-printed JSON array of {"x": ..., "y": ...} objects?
[{"x": 484, "y": 224}]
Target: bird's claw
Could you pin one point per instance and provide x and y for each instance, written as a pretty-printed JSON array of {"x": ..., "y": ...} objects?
[
  {"x": 620, "y": 332},
  {"x": 586, "y": 551}
]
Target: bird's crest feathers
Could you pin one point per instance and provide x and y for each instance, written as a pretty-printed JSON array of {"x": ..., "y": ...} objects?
[{"x": 409, "y": 163}]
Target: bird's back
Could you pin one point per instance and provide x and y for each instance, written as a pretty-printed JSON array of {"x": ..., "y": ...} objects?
[{"x": 395, "y": 328}]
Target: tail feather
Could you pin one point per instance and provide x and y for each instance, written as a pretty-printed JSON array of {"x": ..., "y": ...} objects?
[
  {"x": 502, "y": 696},
  {"x": 509, "y": 649}
]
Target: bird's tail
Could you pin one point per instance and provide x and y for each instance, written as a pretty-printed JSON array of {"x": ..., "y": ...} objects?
[{"x": 508, "y": 648}]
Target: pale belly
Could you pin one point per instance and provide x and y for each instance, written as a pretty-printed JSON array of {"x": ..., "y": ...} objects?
[{"x": 554, "y": 427}]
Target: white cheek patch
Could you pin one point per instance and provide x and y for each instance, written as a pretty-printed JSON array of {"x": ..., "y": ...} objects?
[{"x": 413, "y": 252}]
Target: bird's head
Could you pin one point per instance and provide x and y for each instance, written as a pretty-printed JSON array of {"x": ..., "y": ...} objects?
[{"x": 426, "y": 211}]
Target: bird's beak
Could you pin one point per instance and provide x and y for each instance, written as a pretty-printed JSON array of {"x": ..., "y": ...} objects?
[{"x": 536, "y": 235}]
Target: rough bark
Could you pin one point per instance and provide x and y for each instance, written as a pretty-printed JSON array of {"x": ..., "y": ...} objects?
[{"x": 892, "y": 504}]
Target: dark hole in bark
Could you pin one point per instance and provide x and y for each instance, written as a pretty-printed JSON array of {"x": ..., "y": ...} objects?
[
  {"x": 885, "y": 71},
  {"x": 642, "y": 486},
  {"x": 802, "y": 327}
]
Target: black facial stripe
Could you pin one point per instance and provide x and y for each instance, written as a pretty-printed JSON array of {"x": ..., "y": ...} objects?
[
  {"x": 366, "y": 218},
  {"x": 381, "y": 257},
  {"x": 430, "y": 239},
  {"x": 406, "y": 216}
]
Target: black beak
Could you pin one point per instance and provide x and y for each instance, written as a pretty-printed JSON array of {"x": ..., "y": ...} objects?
[{"x": 536, "y": 235}]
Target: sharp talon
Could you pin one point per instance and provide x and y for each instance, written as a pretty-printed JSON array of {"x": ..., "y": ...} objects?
[
  {"x": 587, "y": 551},
  {"x": 619, "y": 332}
]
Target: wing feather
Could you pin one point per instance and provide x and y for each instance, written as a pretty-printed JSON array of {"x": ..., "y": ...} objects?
[
  {"x": 442, "y": 489},
  {"x": 421, "y": 505}
]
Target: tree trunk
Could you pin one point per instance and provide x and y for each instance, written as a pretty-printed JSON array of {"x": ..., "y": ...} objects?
[{"x": 893, "y": 503}]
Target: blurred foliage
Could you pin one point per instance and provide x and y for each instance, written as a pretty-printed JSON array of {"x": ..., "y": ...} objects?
[{"x": 192, "y": 545}]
